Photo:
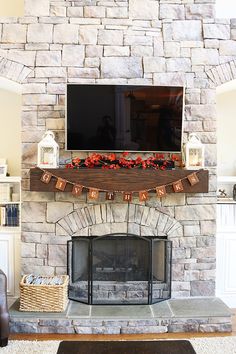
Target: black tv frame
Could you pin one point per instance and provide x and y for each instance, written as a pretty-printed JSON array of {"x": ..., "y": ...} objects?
[{"x": 131, "y": 151}]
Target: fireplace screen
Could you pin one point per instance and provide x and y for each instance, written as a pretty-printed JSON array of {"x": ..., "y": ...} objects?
[{"x": 119, "y": 269}]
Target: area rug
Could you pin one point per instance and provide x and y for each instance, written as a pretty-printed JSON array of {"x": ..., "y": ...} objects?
[
  {"x": 214, "y": 345},
  {"x": 127, "y": 347}
]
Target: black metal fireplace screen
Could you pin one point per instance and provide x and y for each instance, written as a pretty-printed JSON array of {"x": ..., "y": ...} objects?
[{"x": 119, "y": 269}]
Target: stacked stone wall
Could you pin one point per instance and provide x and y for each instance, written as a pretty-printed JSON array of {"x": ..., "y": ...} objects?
[{"x": 151, "y": 42}]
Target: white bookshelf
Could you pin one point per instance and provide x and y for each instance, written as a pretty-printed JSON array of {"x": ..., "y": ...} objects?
[{"x": 10, "y": 235}]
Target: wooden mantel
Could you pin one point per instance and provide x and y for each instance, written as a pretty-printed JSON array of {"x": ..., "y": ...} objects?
[{"x": 119, "y": 180}]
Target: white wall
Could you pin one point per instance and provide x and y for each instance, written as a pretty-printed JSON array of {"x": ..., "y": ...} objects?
[
  {"x": 226, "y": 129},
  {"x": 225, "y": 9},
  {"x": 10, "y": 130},
  {"x": 12, "y": 7}
]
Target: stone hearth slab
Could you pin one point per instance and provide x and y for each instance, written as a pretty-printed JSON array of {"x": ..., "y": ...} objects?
[
  {"x": 77, "y": 309},
  {"x": 162, "y": 310},
  {"x": 127, "y": 311},
  {"x": 14, "y": 312},
  {"x": 175, "y": 315},
  {"x": 199, "y": 307}
]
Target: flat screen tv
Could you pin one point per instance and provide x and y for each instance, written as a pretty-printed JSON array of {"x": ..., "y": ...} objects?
[{"x": 124, "y": 118}]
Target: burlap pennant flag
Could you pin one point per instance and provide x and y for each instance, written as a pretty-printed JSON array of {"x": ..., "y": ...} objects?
[
  {"x": 178, "y": 186},
  {"x": 93, "y": 193},
  {"x": 161, "y": 191},
  {"x": 61, "y": 184},
  {"x": 46, "y": 177},
  {"x": 143, "y": 196},
  {"x": 110, "y": 195},
  {"x": 77, "y": 190},
  {"x": 127, "y": 197},
  {"x": 193, "y": 179}
]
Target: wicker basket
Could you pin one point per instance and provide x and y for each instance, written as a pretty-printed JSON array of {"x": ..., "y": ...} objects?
[{"x": 44, "y": 298}]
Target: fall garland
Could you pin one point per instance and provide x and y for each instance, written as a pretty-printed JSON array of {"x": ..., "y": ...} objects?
[{"x": 113, "y": 161}]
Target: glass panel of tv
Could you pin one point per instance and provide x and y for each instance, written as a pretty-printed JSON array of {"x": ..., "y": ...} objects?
[{"x": 124, "y": 118}]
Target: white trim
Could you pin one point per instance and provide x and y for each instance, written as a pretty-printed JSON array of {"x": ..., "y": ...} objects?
[
  {"x": 10, "y": 179},
  {"x": 226, "y": 179}
]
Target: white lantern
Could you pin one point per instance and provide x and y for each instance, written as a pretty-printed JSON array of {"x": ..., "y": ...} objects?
[
  {"x": 48, "y": 151},
  {"x": 194, "y": 153}
]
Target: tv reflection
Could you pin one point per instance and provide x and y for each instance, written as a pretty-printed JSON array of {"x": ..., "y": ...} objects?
[{"x": 105, "y": 134}]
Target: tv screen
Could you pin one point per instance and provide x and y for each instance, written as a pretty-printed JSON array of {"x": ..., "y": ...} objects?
[{"x": 124, "y": 118}]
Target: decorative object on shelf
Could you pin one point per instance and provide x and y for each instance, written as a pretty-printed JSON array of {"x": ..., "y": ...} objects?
[
  {"x": 48, "y": 151},
  {"x": 194, "y": 153},
  {"x": 3, "y": 170},
  {"x": 113, "y": 161},
  {"x": 3, "y": 167},
  {"x": 234, "y": 192},
  {"x": 93, "y": 192},
  {"x": 222, "y": 194}
]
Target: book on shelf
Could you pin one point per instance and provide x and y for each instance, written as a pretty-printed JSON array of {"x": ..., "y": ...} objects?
[
  {"x": 3, "y": 216},
  {"x": 9, "y": 215}
]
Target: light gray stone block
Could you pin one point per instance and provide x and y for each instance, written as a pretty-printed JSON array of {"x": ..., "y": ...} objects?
[
  {"x": 172, "y": 11},
  {"x": 202, "y": 288},
  {"x": 28, "y": 249},
  {"x": 57, "y": 210},
  {"x": 145, "y": 329},
  {"x": 197, "y": 212},
  {"x": 224, "y": 327},
  {"x": 169, "y": 79},
  {"x": 187, "y": 30},
  {"x": 117, "y": 12},
  {"x": 172, "y": 49},
  {"x": 33, "y": 211},
  {"x": 216, "y": 31},
  {"x": 94, "y": 11},
  {"x": 117, "y": 51},
  {"x": 154, "y": 64},
  {"x": 178, "y": 64},
  {"x": 14, "y": 33},
  {"x": 93, "y": 51},
  {"x": 86, "y": 73},
  {"x": 200, "y": 11},
  {"x": 147, "y": 10},
  {"x": 227, "y": 47},
  {"x": 66, "y": 33},
  {"x": 40, "y": 8},
  {"x": 114, "y": 67},
  {"x": 39, "y": 33},
  {"x": 57, "y": 255},
  {"x": 24, "y": 57},
  {"x": 110, "y": 37},
  {"x": 202, "y": 56},
  {"x": 75, "y": 11},
  {"x": 46, "y": 58},
  {"x": 88, "y": 35}
]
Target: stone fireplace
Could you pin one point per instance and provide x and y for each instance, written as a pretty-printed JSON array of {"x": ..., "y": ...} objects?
[
  {"x": 119, "y": 269},
  {"x": 132, "y": 42}
]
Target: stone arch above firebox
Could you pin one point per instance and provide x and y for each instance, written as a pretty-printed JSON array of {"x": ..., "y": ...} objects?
[
  {"x": 14, "y": 71},
  {"x": 222, "y": 73},
  {"x": 100, "y": 219}
]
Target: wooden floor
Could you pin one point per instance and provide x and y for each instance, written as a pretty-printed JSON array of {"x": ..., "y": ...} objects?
[{"x": 92, "y": 337}]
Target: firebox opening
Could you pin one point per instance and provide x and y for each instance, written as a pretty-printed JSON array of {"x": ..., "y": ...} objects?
[{"x": 119, "y": 269}]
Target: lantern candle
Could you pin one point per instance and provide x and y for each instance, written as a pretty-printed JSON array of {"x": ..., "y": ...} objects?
[
  {"x": 194, "y": 153},
  {"x": 48, "y": 151}
]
